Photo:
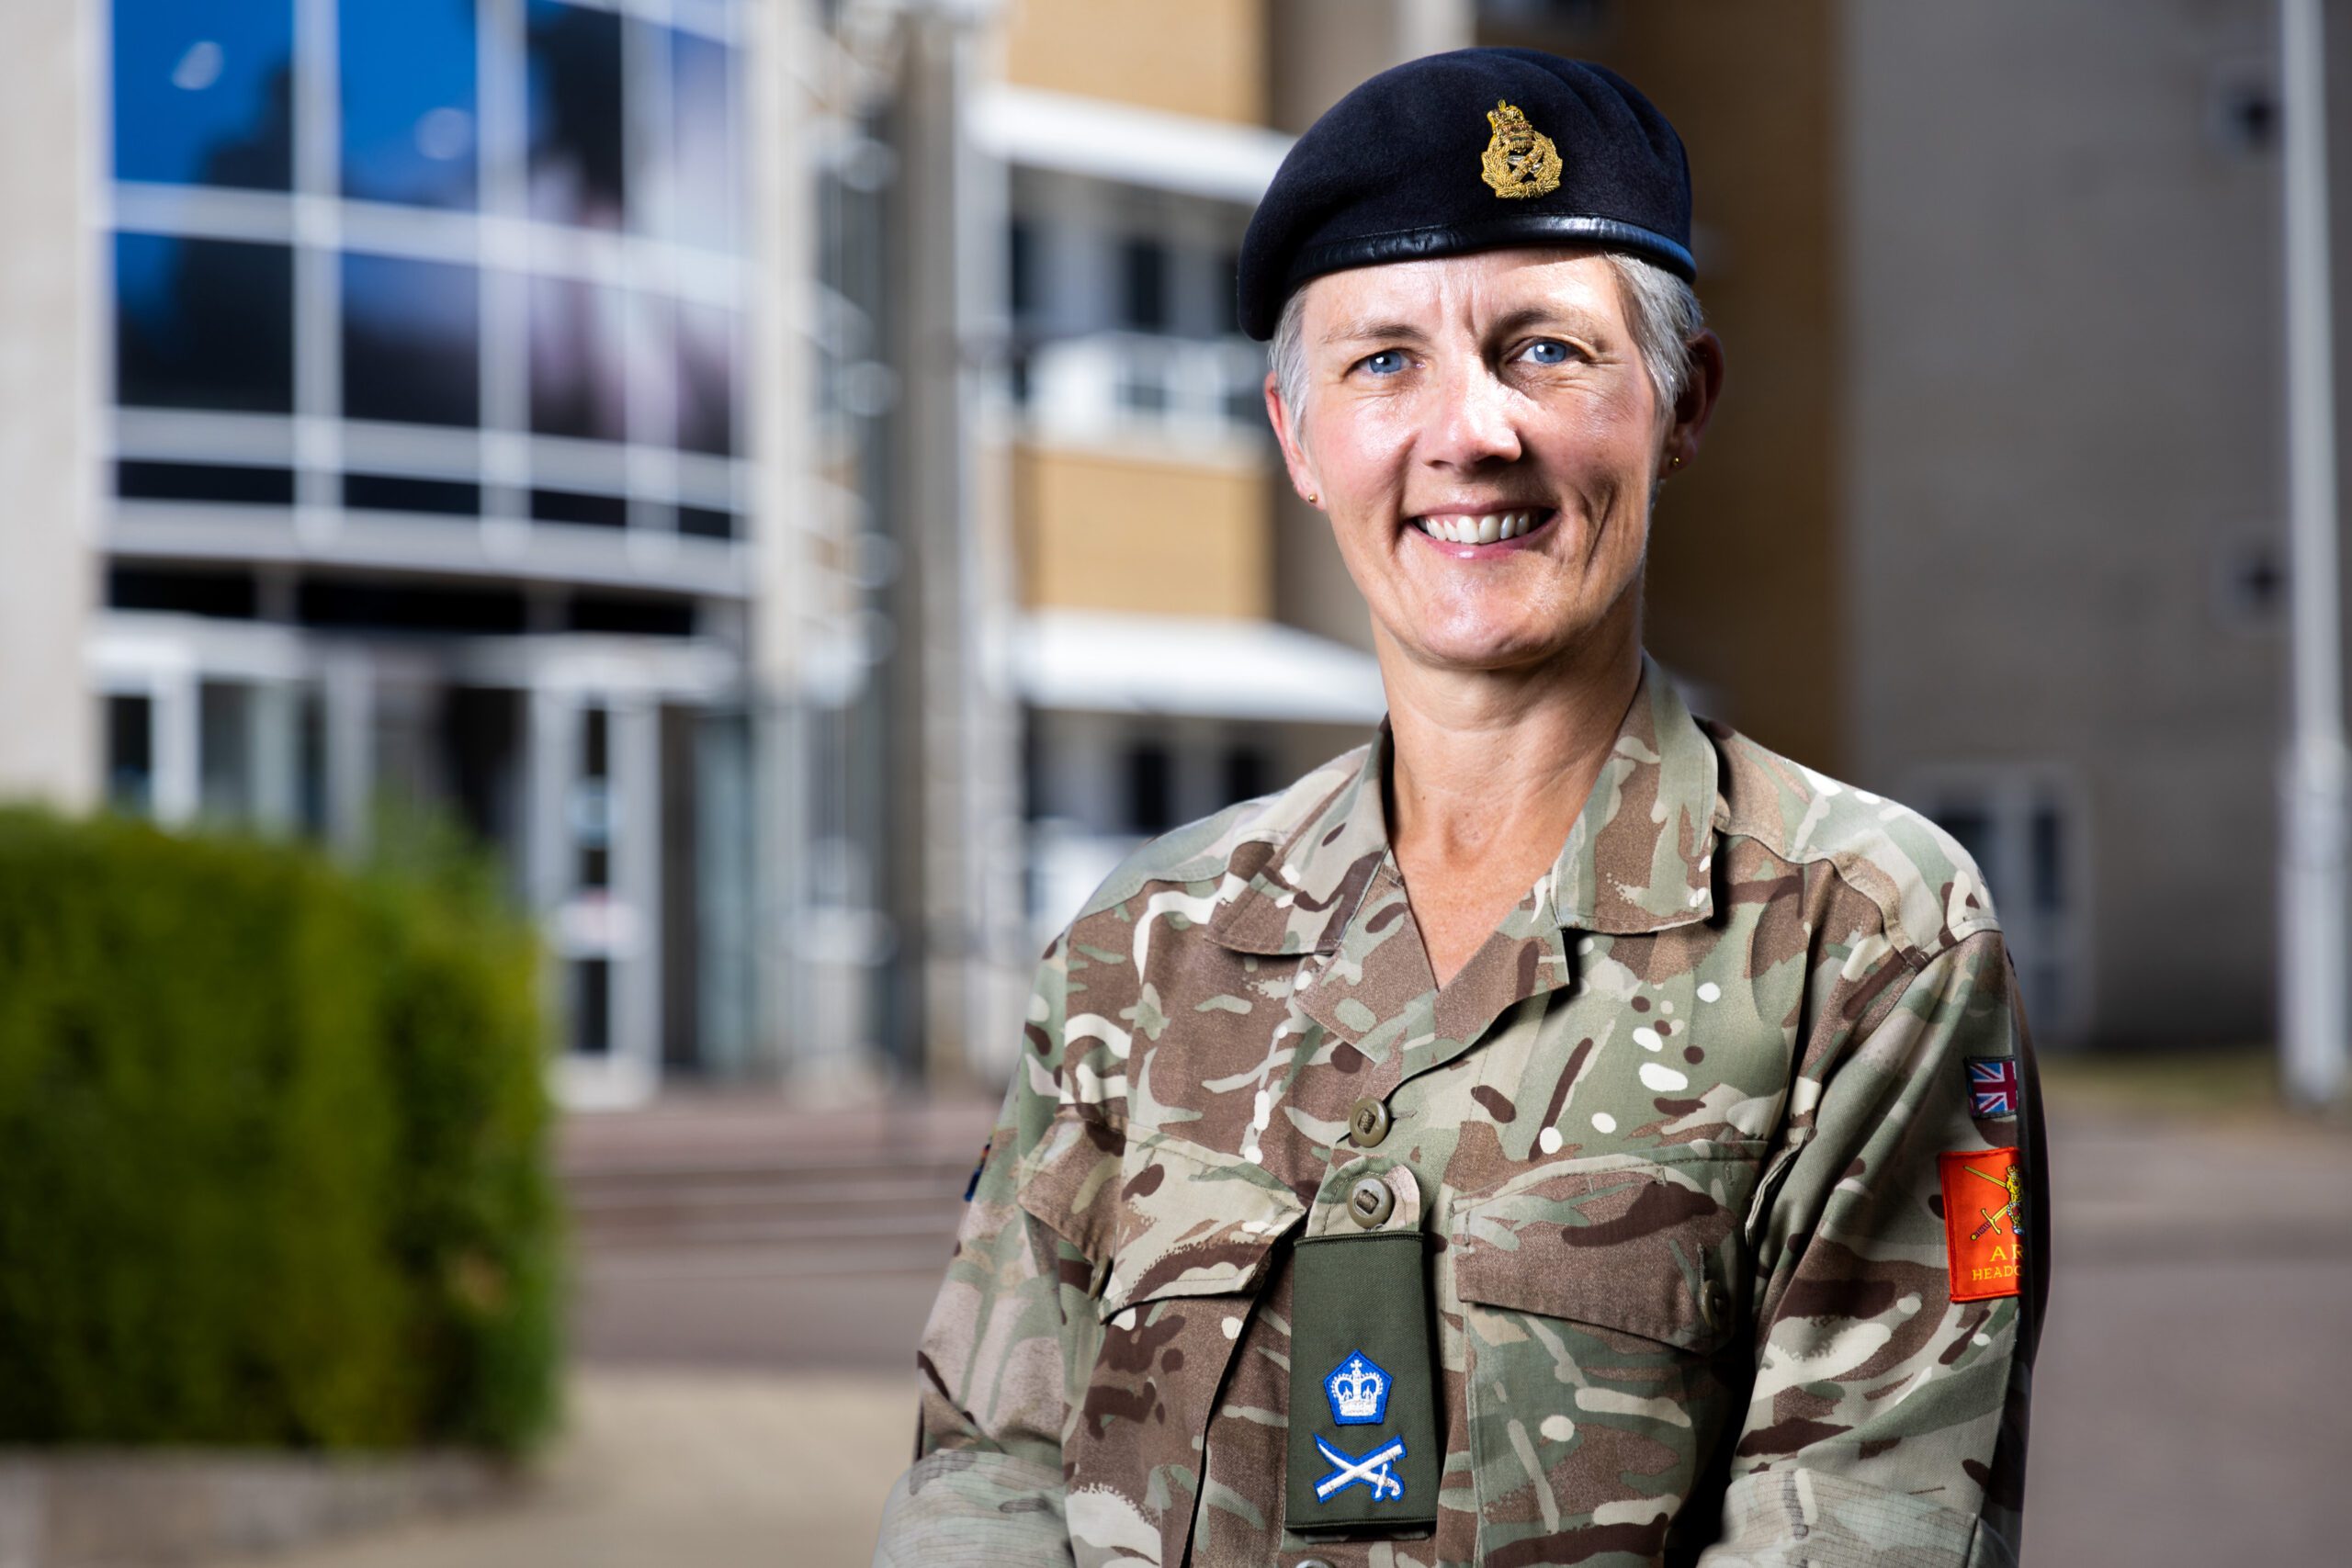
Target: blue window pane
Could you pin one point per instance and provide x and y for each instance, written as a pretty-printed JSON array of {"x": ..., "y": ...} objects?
[
  {"x": 411, "y": 332},
  {"x": 577, "y": 152},
  {"x": 701, "y": 159},
  {"x": 408, "y": 101},
  {"x": 203, "y": 91},
  {"x": 203, "y": 323}
]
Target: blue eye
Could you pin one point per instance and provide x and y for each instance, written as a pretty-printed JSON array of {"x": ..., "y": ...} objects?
[
  {"x": 1548, "y": 352},
  {"x": 1387, "y": 362}
]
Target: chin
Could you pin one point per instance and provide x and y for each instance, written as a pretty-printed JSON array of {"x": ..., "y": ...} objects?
[{"x": 1486, "y": 647}]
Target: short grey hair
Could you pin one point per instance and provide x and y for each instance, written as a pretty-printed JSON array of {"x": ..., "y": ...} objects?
[{"x": 1664, "y": 308}]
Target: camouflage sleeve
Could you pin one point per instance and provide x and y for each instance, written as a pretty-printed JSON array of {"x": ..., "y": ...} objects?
[
  {"x": 1886, "y": 1425},
  {"x": 986, "y": 1486}
]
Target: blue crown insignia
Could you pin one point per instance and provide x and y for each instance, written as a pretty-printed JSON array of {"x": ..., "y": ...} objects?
[{"x": 1358, "y": 1390}]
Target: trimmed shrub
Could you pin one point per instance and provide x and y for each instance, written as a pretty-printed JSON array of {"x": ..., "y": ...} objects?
[{"x": 273, "y": 1148}]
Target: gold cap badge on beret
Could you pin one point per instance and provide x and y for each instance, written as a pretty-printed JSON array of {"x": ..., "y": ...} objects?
[{"x": 1520, "y": 159}]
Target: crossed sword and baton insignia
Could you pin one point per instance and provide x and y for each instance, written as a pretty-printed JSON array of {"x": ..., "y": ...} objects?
[
  {"x": 1370, "y": 1470},
  {"x": 2012, "y": 1188}
]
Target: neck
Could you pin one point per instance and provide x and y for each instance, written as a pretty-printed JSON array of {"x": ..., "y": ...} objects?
[{"x": 1497, "y": 765}]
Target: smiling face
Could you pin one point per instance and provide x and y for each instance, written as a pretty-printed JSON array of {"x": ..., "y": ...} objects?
[{"x": 1486, "y": 439}]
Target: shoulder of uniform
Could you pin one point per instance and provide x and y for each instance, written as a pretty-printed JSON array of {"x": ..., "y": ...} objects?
[
  {"x": 1201, "y": 852},
  {"x": 1925, "y": 886}
]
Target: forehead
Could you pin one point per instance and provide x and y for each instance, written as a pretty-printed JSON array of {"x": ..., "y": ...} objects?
[{"x": 1466, "y": 292}]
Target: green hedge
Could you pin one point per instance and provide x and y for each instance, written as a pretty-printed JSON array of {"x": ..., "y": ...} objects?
[{"x": 273, "y": 1148}]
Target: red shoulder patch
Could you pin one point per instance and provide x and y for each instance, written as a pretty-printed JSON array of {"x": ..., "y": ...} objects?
[{"x": 1984, "y": 1221}]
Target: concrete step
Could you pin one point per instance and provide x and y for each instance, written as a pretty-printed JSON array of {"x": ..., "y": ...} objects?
[{"x": 887, "y": 1192}]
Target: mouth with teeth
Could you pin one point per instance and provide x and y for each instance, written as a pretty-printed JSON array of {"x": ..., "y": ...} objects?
[{"x": 1484, "y": 528}]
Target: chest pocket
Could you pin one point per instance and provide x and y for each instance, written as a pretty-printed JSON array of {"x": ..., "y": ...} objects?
[
  {"x": 1598, "y": 1295},
  {"x": 1188, "y": 1242}
]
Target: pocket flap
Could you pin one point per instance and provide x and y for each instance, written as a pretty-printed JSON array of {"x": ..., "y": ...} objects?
[
  {"x": 1192, "y": 1222},
  {"x": 1644, "y": 1246}
]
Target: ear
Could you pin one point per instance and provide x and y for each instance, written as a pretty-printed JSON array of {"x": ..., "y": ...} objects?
[
  {"x": 1698, "y": 402},
  {"x": 1295, "y": 458}
]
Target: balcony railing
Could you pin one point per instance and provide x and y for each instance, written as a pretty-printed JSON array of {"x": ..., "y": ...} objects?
[{"x": 1137, "y": 385}]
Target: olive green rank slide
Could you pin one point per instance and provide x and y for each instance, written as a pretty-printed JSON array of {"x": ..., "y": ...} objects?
[{"x": 1364, "y": 1452}]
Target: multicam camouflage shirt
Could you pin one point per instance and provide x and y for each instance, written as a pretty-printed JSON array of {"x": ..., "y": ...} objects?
[{"x": 1672, "y": 1134}]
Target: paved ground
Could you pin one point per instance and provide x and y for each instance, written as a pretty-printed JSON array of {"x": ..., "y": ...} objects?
[
  {"x": 694, "y": 1469},
  {"x": 752, "y": 1280}
]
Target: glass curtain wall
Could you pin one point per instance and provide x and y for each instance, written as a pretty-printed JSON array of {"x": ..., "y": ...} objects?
[
  {"x": 469, "y": 272},
  {"x": 484, "y": 254}
]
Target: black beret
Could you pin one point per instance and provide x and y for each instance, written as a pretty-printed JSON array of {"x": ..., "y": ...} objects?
[{"x": 1470, "y": 151}]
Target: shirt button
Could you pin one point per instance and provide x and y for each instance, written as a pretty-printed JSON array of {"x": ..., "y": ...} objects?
[
  {"x": 1314, "y": 1563},
  {"x": 1370, "y": 1202},
  {"x": 1712, "y": 1304},
  {"x": 1368, "y": 1122}
]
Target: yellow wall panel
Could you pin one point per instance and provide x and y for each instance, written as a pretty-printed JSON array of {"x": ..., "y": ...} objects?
[
  {"x": 1202, "y": 57},
  {"x": 1104, "y": 532}
]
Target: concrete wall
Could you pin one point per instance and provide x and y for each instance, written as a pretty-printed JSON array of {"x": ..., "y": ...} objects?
[
  {"x": 49, "y": 391},
  {"x": 1743, "y": 565},
  {"x": 2061, "y": 411}
]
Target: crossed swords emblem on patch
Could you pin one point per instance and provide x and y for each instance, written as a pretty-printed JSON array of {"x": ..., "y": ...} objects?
[
  {"x": 2012, "y": 1207},
  {"x": 1370, "y": 1470}
]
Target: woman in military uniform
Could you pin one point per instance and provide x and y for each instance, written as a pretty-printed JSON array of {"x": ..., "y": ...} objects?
[{"x": 1554, "y": 1133}]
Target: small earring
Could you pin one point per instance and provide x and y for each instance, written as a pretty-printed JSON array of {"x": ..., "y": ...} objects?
[
  {"x": 1313, "y": 499},
  {"x": 1675, "y": 463}
]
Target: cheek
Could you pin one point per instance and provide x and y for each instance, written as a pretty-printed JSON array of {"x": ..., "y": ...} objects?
[{"x": 1358, "y": 447}]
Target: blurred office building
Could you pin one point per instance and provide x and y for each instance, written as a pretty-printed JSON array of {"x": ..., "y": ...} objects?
[
  {"x": 786, "y": 474},
  {"x": 410, "y": 449}
]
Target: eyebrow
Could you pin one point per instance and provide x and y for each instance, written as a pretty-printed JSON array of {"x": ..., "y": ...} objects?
[
  {"x": 1568, "y": 319},
  {"x": 1368, "y": 327}
]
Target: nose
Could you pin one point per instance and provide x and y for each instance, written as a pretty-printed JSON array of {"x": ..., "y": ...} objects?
[{"x": 1472, "y": 424}]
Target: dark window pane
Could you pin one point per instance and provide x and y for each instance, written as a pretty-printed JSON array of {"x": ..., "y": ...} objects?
[
  {"x": 573, "y": 506},
  {"x": 130, "y": 753},
  {"x": 224, "y": 749},
  {"x": 409, "y": 607},
  {"x": 1151, "y": 788},
  {"x": 411, "y": 334},
  {"x": 203, "y": 91},
  {"x": 203, "y": 481},
  {"x": 1245, "y": 773},
  {"x": 1143, "y": 284},
  {"x": 408, "y": 101},
  {"x": 706, "y": 379},
  {"x": 392, "y": 492},
  {"x": 2049, "y": 860},
  {"x": 707, "y": 522},
  {"x": 703, "y": 178},
  {"x": 1021, "y": 268},
  {"x": 203, "y": 323},
  {"x": 596, "y": 748},
  {"x": 1228, "y": 295},
  {"x": 591, "y": 1006},
  {"x": 579, "y": 367},
  {"x": 636, "y": 615},
  {"x": 1974, "y": 828},
  {"x": 227, "y": 595},
  {"x": 577, "y": 155},
  {"x": 311, "y": 761}
]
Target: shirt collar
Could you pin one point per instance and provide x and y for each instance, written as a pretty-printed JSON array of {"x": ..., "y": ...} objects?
[{"x": 1637, "y": 861}]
